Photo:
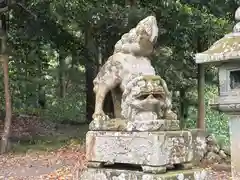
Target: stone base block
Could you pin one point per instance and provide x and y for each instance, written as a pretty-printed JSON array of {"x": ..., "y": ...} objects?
[
  {"x": 114, "y": 174},
  {"x": 141, "y": 148},
  {"x": 126, "y": 125},
  {"x": 199, "y": 145}
]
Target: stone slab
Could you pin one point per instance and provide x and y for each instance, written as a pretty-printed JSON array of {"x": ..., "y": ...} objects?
[
  {"x": 140, "y": 148},
  {"x": 126, "y": 125},
  {"x": 114, "y": 174}
]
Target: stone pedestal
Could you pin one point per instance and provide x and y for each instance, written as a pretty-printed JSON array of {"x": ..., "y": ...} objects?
[
  {"x": 154, "y": 149},
  {"x": 234, "y": 124},
  {"x": 146, "y": 150},
  {"x": 116, "y": 174},
  {"x": 199, "y": 145}
]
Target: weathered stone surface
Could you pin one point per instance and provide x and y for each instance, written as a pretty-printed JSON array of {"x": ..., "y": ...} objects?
[
  {"x": 234, "y": 124},
  {"x": 142, "y": 148},
  {"x": 130, "y": 77},
  {"x": 199, "y": 145},
  {"x": 125, "y": 125},
  {"x": 113, "y": 174},
  {"x": 184, "y": 166},
  {"x": 224, "y": 49}
]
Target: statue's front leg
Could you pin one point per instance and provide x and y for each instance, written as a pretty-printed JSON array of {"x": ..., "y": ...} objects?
[
  {"x": 158, "y": 110},
  {"x": 170, "y": 115},
  {"x": 101, "y": 93}
]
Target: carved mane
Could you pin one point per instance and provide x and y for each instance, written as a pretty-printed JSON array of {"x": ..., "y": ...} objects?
[{"x": 130, "y": 42}]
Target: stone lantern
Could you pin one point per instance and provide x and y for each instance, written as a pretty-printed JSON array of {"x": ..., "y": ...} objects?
[{"x": 225, "y": 54}]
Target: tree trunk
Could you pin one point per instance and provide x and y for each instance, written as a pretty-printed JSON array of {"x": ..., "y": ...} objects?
[
  {"x": 41, "y": 97},
  {"x": 182, "y": 108},
  {"x": 201, "y": 105},
  {"x": 201, "y": 84},
  {"x": 90, "y": 72},
  {"x": 25, "y": 91},
  {"x": 61, "y": 76},
  {"x": 4, "y": 60},
  {"x": 90, "y": 99},
  {"x": 40, "y": 94}
]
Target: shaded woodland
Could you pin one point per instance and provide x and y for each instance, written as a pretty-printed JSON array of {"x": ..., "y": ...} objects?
[{"x": 52, "y": 50}]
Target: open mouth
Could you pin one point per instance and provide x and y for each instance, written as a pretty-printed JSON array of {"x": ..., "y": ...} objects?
[{"x": 147, "y": 95}]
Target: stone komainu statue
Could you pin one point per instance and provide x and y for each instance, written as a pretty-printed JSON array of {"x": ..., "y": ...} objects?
[{"x": 136, "y": 90}]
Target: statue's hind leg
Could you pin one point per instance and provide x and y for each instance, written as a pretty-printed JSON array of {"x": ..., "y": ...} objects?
[
  {"x": 101, "y": 93},
  {"x": 108, "y": 79}
]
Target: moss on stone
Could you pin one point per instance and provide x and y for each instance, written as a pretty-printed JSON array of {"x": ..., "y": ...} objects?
[
  {"x": 113, "y": 124},
  {"x": 151, "y": 78},
  {"x": 119, "y": 124},
  {"x": 226, "y": 44}
]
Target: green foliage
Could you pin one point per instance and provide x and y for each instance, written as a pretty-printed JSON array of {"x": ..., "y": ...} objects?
[
  {"x": 216, "y": 122},
  {"x": 189, "y": 29},
  {"x": 71, "y": 108},
  {"x": 49, "y": 53}
]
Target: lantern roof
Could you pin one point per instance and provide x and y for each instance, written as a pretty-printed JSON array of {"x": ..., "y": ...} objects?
[{"x": 225, "y": 49}]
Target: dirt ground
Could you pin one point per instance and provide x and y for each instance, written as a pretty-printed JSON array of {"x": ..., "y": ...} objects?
[
  {"x": 62, "y": 165},
  {"x": 46, "y": 151}
]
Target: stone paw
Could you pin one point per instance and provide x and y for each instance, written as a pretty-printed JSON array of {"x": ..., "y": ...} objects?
[
  {"x": 101, "y": 116},
  {"x": 94, "y": 164},
  {"x": 154, "y": 169}
]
